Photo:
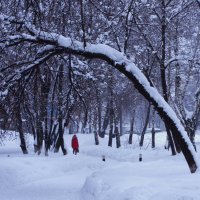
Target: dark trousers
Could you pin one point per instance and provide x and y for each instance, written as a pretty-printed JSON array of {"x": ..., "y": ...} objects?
[{"x": 75, "y": 151}]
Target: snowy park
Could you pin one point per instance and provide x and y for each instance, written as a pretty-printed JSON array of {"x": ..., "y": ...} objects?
[
  {"x": 86, "y": 177},
  {"x": 99, "y": 100}
]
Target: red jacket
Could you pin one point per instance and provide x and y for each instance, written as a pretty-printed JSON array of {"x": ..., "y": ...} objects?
[{"x": 75, "y": 142}]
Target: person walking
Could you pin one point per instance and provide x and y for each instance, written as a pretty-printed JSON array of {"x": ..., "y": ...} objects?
[{"x": 75, "y": 145}]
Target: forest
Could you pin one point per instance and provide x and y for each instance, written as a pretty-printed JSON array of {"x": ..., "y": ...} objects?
[{"x": 108, "y": 67}]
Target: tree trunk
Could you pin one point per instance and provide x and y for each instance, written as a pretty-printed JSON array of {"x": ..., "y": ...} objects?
[
  {"x": 99, "y": 110},
  {"x": 53, "y": 134},
  {"x": 45, "y": 89},
  {"x": 121, "y": 116},
  {"x": 39, "y": 136},
  {"x": 90, "y": 122},
  {"x": 105, "y": 122},
  {"x": 153, "y": 129},
  {"x": 163, "y": 71},
  {"x": 19, "y": 123},
  {"x": 5, "y": 117},
  {"x": 171, "y": 143},
  {"x": 95, "y": 129},
  {"x": 117, "y": 134},
  {"x": 47, "y": 138},
  {"x": 190, "y": 128},
  {"x": 110, "y": 136},
  {"x": 60, "y": 140},
  {"x": 153, "y": 137},
  {"x": 130, "y": 140},
  {"x": 21, "y": 133},
  {"x": 38, "y": 118},
  {"x": 145, "y": 125},
  {"x": 96, "y": 138}
]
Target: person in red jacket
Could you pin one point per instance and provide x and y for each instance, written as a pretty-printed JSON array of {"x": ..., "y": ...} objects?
[{"x": 75, "y": 145}]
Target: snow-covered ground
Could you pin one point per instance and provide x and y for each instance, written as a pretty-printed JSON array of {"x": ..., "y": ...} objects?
[{"x": 85, "y": 176}]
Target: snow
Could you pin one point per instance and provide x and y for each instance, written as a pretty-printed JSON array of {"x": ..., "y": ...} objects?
[{"x": 86, "y": 177}]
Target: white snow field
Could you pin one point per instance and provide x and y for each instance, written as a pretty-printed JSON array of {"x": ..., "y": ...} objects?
[{"x": 85, "y": 176}]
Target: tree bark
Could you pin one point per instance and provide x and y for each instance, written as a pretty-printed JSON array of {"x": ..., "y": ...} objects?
[
  {"x": 110, "y": 136},
  {"x": 153, "y": 129},
  {"x": 145, "y": 125},
  {"x": 190, "y": 128},
  {"x": 117, "y": 134},
  {"x": 19, "y": 122},
  {"x": 60, "y": 140},
  {"x": 130, "y": 140},
  {"x": 105, "y": 122},
  {"x": 163, "y": 73},
  {"x": 21, "y": 133},
  {"x": 153, "y": 138},
  {"x": 96, "y": 138}
]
